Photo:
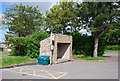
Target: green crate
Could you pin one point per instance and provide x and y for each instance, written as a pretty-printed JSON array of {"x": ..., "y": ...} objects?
[{"x": 44, "y": 60}]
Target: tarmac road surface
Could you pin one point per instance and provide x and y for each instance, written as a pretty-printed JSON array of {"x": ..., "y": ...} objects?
[{"x": 107, "y": 69}]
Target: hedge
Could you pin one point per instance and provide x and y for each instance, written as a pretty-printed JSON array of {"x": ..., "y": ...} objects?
[
  {"x": 112, "y": 47},
  {"x": 84, "y": 44},
  {"x": 29, "y": 45}
]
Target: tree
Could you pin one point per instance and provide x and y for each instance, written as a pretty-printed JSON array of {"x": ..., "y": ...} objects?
[
  {"x": 96, "y": 17},
  {"x": 22, "y": 20},
  {"x": 60, "y": 17},
  {"x": 99, "y": 17},
  {"x": 112, "y": 37}
]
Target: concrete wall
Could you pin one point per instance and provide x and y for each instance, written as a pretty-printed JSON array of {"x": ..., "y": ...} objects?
[{"x": 64, "y": 39}]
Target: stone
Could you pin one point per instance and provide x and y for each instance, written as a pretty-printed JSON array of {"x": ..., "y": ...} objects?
[{"x": 62, "y": 48}]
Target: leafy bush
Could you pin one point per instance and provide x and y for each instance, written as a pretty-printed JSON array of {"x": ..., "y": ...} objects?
[
  {"x": 18, "y": 45},
  {"x": 84, "y": 45},
  {"x": 29, "y": 45},
  {"x": 34, "y": 43},
  {"x": 112, "y": 37},
  {"x": 112, "y": 47},
  {"x": 101, "y": 47}
]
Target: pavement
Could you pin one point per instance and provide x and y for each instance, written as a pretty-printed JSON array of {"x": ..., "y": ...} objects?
[
  {"x": 4, "y": 56},
  {"x": 107, "y": 69}
]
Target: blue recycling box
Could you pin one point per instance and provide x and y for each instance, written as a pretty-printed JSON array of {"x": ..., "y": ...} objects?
[{"x": 44, "y": 60}]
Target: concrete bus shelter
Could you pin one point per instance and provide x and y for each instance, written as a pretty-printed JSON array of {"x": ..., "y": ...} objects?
[{"x": 58, "y": 47}]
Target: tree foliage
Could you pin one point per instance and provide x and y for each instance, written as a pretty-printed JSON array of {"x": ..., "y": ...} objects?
[
  {"x": 22, "y": 20},
  {"x": 60, "y": 17},
  {"x": 96, "y": 17},
  {"x": 99, "y": 17},
  {"x": 112, "y": 37},
  {"x": 29, "y": 45}
]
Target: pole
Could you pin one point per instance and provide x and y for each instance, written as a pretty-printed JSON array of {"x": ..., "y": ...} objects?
[{"x": 50, "y": 48}]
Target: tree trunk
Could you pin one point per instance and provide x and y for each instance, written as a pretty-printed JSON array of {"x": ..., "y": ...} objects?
[
  {"x": 95, "y": 47},
  {"x": 97, "y": 36}
]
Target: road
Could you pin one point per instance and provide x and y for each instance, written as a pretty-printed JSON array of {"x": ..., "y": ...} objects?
[
  {"x": 4, "y": 55},
  {"x": 107, "y": 69}
]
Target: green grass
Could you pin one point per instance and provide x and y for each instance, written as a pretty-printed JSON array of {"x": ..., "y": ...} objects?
[
  {"x": 6, "y": 53},
  {"x": 112, "y": 50},
  {"x": 15, "y": 60},
  {"x": 88, "y": 58}
]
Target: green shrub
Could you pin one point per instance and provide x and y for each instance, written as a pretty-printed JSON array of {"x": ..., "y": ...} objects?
[
  {"x": 112, "y": 37},
  {"x": 29, "y": 45},
  {"x": 84, "y": 44},
  {"x": 18, "y": 45},
  {"x": 101, "y": 47},
  {"x": 34, "y": 43},
  {"x": 112, "y": 47}
]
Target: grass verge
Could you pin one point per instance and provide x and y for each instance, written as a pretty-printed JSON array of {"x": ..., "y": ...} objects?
[
  {"x": 88, "y": 58},
  {"x": 112, "y": 50},
  {"x": 6, "y": 53},
  {"x": 15, "y": 60}
]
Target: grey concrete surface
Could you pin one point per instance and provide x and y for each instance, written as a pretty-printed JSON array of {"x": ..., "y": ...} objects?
[
  {"x": 111, "y": 54},
  {"x": 75, "y": 70},
  {"x": 4, "y": 55}
]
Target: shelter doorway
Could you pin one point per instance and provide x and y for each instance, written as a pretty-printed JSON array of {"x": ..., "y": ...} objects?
[{"x": 63, "y": 51}]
